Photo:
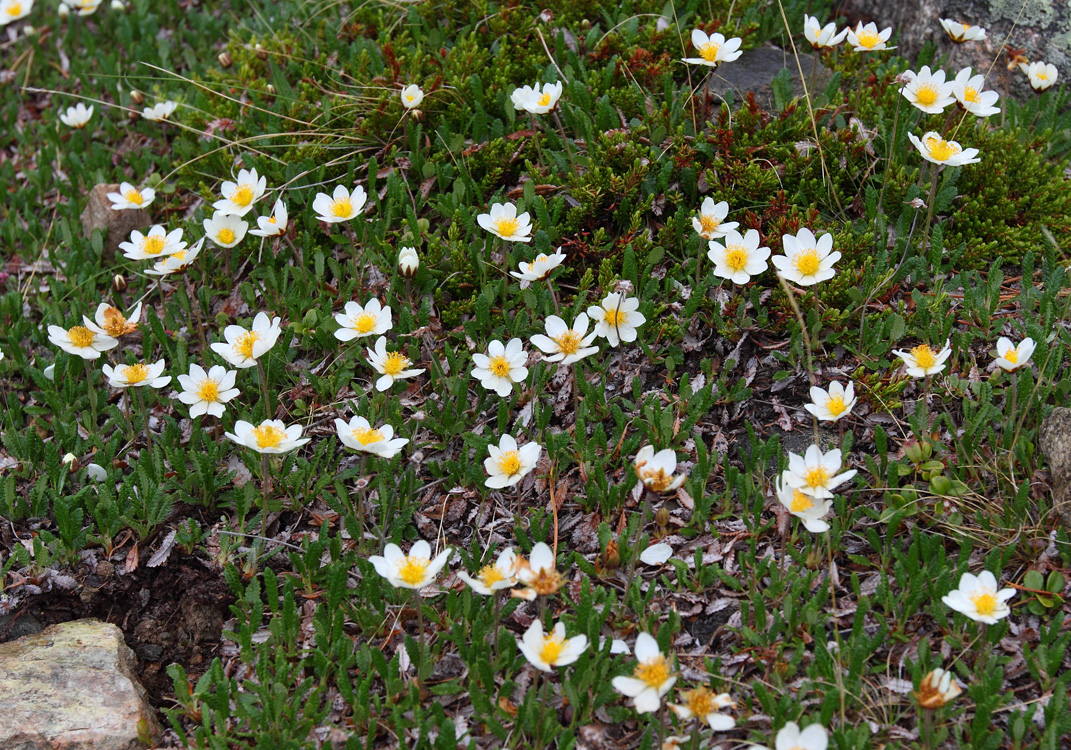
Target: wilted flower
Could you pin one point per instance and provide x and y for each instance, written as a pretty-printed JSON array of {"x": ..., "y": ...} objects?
[
  {"x": 962, "y": 32},
  {"x": 922, "y": 360},
  {"x": 137, "y": 375},
  {"x": 538, "y": 574},
  {"x": 390, "y": 365},
  {"x": 936, "y": 149},
  {"x": 357, "y": 322},
  {"x": 160, "y": 112},
  {"x": 739, "y": 258},
  {"x": 207, "y": 392},
  {"x": 978, "y": 598},
  {"x": 81, "y": 340},
  {"x": 76, "y": 117},
  {"x": 815, "y": 473},
  {"x": 831, "y": 405},
  {"x": 928, "y": 91},
  {"x": 130, "y": 197},
  {"x": 868, "y": 38},
  {"x": 240, "y": 195},
  {"x": 651, "y": 679},
  {"x": 709, "y": 223},
  {"x": 968, "y": 92},
  {"x": 501, "y": 367},
  {"x": 1011, "y": 357},
  {"x": 507, "y": 464},
  {"x": 243, "y": 348},
  {"x": 538, "y": 102},
  {"x": 341, "y": 205},
  {"x": 360, "y": 435},
  {"x": 413, "y": 571},
  {"x": 810, "y": 510},
  {"x": 272, "y": 436},
  {"x": 545, "y": 652},
  {"x": 564, "y": 344},
  {"x": 713, "y": 49},
  {"x": 1042, "y": 75},
  {"x": 412, "y": 95},
  {"x": 177, "y": 261},
  {"x": 158, "y": 242},
  {"x": 701, "y": 703},
  {"x": 937, "y": 688},
  {"x": 807, "y": 260},
  {"x": 822, "y": 36},
  {"x": 274, "y": 225},
  {"x": 503, "y": 221},
  {"x": 501, "y": 574},
  {"x": 655, "y": 470},
  {"x": 408, "y": 262},
  {"x": 617, "y": 318},
  {"x": 226, "y": 230},
  {"x": 539, "y": 269}
]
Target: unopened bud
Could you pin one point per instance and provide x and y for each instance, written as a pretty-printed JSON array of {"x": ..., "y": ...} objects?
[
  {"x": 225, "y": 59},
  {"x": 611, "y": 558},
  {"x": 270, "y": 90},
  {"x": 136, "y": 97},
  {"x": 119, "y": 283},
  {"x": 118, "y": 5},
  {"x": 417, "y": 115},
  {"x": 260, "y": 52},
  {"x": 408, "y": 262},
  {"x": 64, "y": 10},
  {"x": 661, "y": 516},
  {"x": 72, "y": 462},
  {"x": 310, "y": 319}
]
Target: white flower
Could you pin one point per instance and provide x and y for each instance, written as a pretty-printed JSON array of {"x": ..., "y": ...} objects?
[
  {"x": 390, "y": 365},
  {"x": 160, "y": 112},
  {"x": 359, "y": 435},
  {"x": 713, "y": 49},
  {"x": 939, "y": 151},
  {"x": 207, "y": 392},
  {"x": 922, "y": 361},
  {"x": 110, "y": 321},
  {"x": 813, "y": 737},
  {"x": 503, "y": 221},
  {"x": 928, "y": 91},
  {"x": 357, "y": 322},
  {"x": 413, "y": 571},
  {"x": 506, "y": 464},
  {"x": 408, "y": 262},
  {"x": 64, "y": 10},
  {"x": 502, "y": 574},
  {"x": 243, "y": 348},
  {"x": 656, "y": 554},
  {"x": 520, "y": 96},
  {"x": 807, "y": 260},
  {"x": 968, "y": 92},
  {"x": 177, "y": 261},
  {"x": 341, "y": 205},
  {"x": 545, "y": 652},
  {"x": 501, "y": 367},
  {"x": 810, "y": 510},
  {"x": 868, "y": 39},
  {"x": 565, "y": 344},
  {"x": 226, "y": 230},
  {"x": 240, "y": 195},
  {"x": 130, "y": 197},
  {"x": 157, "y": 243},
  {"x": 962, "y": 32},
  {"x": 617, "y": 318},
  {"x": 538, "y": 102},
  {"x": 709, "y": 223},
  {"x": 831, "y": 405},
  {"x": 274, "y": 225},
  {"x": 1011, "y": 357},
  {"x": 14, "y": 10},
  {"x": 815, "y": 473},
  {"x": 412, "y": 95},
  {"x": 655, "y": 470},
  {"x": 651, "y": 679},
  {"x": 84, "y": 7},
  {"x": 538, "y": 574},
  {"x": 138, "y": 375},
  {"x": 739, "y": 258},
  {"x": 539, "y": 269},
  {"x": 822, "y": 36},
  {"x": 271, "y": 436},
  {"x": 76, "y": 117},
  {"x": 937, "y": 688},
  {"x": 1042, "y": 75},
  {"x": 702, "y": 704},
  {"x": 81, "y": 340},
  {"x": 978, "y": 598}
]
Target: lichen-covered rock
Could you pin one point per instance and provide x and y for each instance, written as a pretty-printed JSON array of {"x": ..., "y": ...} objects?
[
  {"x": 99, "y": 214},
  {"x": 1055, "y": 444},
  {"x": 72, "y": 687}
]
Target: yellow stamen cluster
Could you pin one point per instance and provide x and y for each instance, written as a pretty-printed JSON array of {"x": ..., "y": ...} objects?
[
  {"x": 208, "y": 390},
  {"x": 800, "y": 502},
  {"x": 709, "y": 223},
  {"x": 940, "y": 149},
  {"x": 395, "y": 363},
  {"x": 367, "y": 435},
  {"x": 709, "y": 52},
  {"x": 489, "y": 575},
  {"x": 924, "y": 357},
  {"x": 544, "y": 100},
  {"x": 926, "y": 95},
  {"x": 985, "y": 603},
  {"x": 116, "y": 324},
  {"x": 136, "y": 373},
  {"x": 342, "y": 207},
  {"x": 736, "y": 257},
  {"x": 507, "y": 226},
  {"x": 835, "y": 405},
  {"x": 242, "y": 195},
  {"x": 616, "y": 317},
  {"x": 868, "y": 39},
  {"x": 134, "y": 196},
  {"x": 700, "y": 701},
  {"x": 412, "y": 570},
  {"x": 365, "y": 322},
  {"x": 653, "y": 672},
  {"x": 509, "y": 463},
  {"x": 657, "y": 479},
  {"x": 816, "y": 476},
  {"x": 807, "y": 261},
  {"x": 244, "y": 344},
  {"x": 568, "y": 342},
  {"x": 552, "y": 649},
  {"x": 268, "y": 436},
  {"x": 226, "y": 236},
  {"x": 81, "y": 336},
  {"x": 1012, "y": 355},
  {"x": 970, "y": 94},
  {"x": 499, "y": 366}
]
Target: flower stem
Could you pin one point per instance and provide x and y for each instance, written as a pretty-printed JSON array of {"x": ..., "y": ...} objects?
[
  {"x": 92, "y": 397},
  {"x": 420, "y": 625},
  {"x": 634, "y": 558},
  {"x": 565, "y": 141},
  {"x": 145, "y": 416},
  {"x": 554, "y": 296},
  {"x": 265, "y": 490},
  {"x": 269, "y": 413},
  {"x": 929, "y": 206}
]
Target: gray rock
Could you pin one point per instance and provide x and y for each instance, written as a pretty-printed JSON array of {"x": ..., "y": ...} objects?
[
  {"x": 755, "y": 71},
  {"x": 1055, "y": 444},
  {"x": 98, "y": 214},
  {"x": 18, "y": 624},
  {"x": 72, "y": 686}
]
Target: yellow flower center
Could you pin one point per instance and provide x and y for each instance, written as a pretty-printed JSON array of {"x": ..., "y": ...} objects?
[
  {"x": 923, "y": 355},
  {"x": 343, "y": 207},
  {"x": 506, "y": 226},
  {"x": 926, "y": 95},
  {"x": 868, "y": 39},
  {"x": 367, "y": 435},
  {"x": 807, "y": 262},
  {"x": 115, "y": 324},
  {"x": 985, "y": 603},
  {"x": 1042, "y": 75},
  {"x": 409, "y": 97},
  {"x": 81, "y": 336},
  {"x": 616, "y": 317},
  {"x": 1012, "y": 355},
  {"x": 653, "y": 672},
  {"x": 135, "y": 374},
  {"x": 700, "y": 702},
  {"x": 412, "y": 570},
  {"x": 736, "y": 257},
  {"x": 153, "y": 244},
  {"x": 816, "y": 476},
  {"x": 552, "y": 649},
  {"x": 272, "y": 220},
  {"x": 134, "y": 196},
  {"x": 546, "y": 582},
  {"x": 835, "y": 405},
  {"x": 509, "y": 463},
  {"x": 569, "y": 342},
  {"x": 489, "y": 575},
  {"x": 970, "y": 94},
  {"x": 365, "y": 322},
  {"x": 14, "y": 10},
  {"x": 180, "y": 255},
  {"x": 226, "y": 236},
  {"x": 208, "y": 390},
  {"x": 395, "y": 363},
  {"x": 268, "y": 436},
  {"x": 499, "y": 366},
  {"x": 940, "y": 149},
  {"x": 244, "y": 344},
  {"x": 800, "y": 502},
  {"x": 242, "y": 195},
  {"x": 657, "y": 479},
  {"x": 543, "y": 100},
  {"x": 709, "y": 223},
  {"x": 709, "y": 51}
]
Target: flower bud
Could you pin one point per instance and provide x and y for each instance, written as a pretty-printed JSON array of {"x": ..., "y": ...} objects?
[
  {"x": 260, "y": 52},
  {"x": 64, "y": 10},
  {"x": 72, "y": 462},
  {"x": 416, "y": 115},
  {"x": 661, "y": 516},
  {"x": 611, "y": 558},
  {"x": 136, "y": 97},
  {"x": 118, "y": 5},
  {"x": 119, "y": 283},
  {"x": 269, "y": 90},
  {"x": 225, "y": 59},
  {"x": 408, "y": 262}
]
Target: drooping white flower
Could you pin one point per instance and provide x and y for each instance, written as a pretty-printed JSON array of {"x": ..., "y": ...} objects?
[
  {"x": 978, "y": 598},
  {"x": 360, "y": 435},
  {"x": 710, "y": 224},
  {"x": 412, "y": 95},
  {"x": 928, "y": 91},
  {"x": 922, "y": 360},
  {"x": 137, "y": 375},
  {"x": 207, "y": 392},
  {"x": 502, "y": 221},
  {"x": 535, "y": 100},
  {"x": 1011, "y": 357},
  {"x": 274, "y": 225},
  {"x": 868, "y": 38},
  {"x": 391, "y": 366},
  {"x": 937, "y": 150},
  {"x": 240, "y": 195},
  {"x": 413, "y": 571},
  {"x": 702, "y": 704},
  {"x": 341, "y": 205},
  {"x": 1042, "y": 75},
  {"x": 740, "y": 257},
  {"x": 807, "y": 260},
  {"x": 81, "y": 341},
  {"x": 656, "y": 470},
  {"x": 76, "y": 117},
  {"x": 243, "y": 348},
  {"x": 538, "y": 573},
  {"x": 962, "y": 32},
  {"x": 831, "y": 405},
  {"x": 155, "y": 244},
  {"x": 501, "y": 574},
  {"x": 129, "y": 197},
  {"x": 501, "y": 367},
  {"x": 810, "y": 510},
  {"x": 355, "y": 321},
  {"x": 815, "y": 473},
  {"x": 968, "y": 92},
  {"x": 822, "y": 36},
  {"x": 539, "y": 269},
  {"x": 564, "y": 344},
  {"x": 226, "y": 230},
  {"x": 271, "y": 436},
  {"x": 544, "y": 652},
  {"x": 507, "y": 464},
  {"x": 651, "y": 679},
  {"x": 160, "y": 112},
  {"x": 713, "y": 49},
  {"x": 617, "y": 318}
]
